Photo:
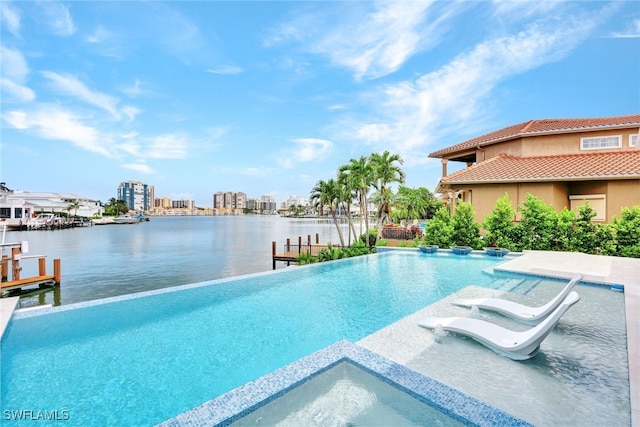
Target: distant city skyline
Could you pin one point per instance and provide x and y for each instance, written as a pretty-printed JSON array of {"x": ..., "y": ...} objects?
[{"x": 270, "y": 97}]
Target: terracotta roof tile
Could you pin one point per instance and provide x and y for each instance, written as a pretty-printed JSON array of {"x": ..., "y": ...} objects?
[
  {"x": 543, "y": 126},
  {"x": 566, "y": 167}
]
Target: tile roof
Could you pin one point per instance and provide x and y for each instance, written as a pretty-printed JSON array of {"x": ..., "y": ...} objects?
[
  {"x": 541, "y": 127},
  {"x": 565, "y": 167}
]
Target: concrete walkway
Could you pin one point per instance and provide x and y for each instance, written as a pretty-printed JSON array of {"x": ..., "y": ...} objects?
[{"x": 7, "y": 305}]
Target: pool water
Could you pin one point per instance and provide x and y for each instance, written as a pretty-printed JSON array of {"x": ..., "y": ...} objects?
[
  {"x": 141, "y": 360},
  {"x": 346, "y": 395}
]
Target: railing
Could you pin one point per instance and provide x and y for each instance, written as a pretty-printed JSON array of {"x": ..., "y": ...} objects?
[{"x": 292, "y": 252}]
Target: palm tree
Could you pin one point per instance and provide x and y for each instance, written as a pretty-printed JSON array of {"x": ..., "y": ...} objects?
[
  {"x": 348, "y": 194},
  {"x": 328, "y": 193},
  {"x": 360, "y": 177},
  {"x": 386, "y": 171},
  {"x": 74, "y": 206}
]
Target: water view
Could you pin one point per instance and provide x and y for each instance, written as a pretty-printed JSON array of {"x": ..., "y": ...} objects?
[{"x": 110, "y": 260}]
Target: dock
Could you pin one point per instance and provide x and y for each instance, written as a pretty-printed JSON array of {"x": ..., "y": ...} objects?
[
  {"x": 291, "y": 252},
  {"x": 42, "y": 280}
]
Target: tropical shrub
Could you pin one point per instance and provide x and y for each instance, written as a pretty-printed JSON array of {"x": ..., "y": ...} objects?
[
  {"x": 465, "y": 231},
  {"x": 305, "y": 258},
  {"x": 627, "y": 232},
  {"x": 537, "y": 225},
  {"x": 439, "y": 229},
  {"x": 499, "y": 223},
  {"x": 329, "y": 254},
  {"x": 565, "y": 230}
]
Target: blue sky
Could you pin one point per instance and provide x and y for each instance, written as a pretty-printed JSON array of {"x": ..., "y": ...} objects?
[{"x": 270, "y": 97}]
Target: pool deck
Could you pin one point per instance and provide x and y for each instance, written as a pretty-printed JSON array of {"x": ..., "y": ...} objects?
[
  {"x": 398, "y": 341},
  {"x": 7, "y": 306}
]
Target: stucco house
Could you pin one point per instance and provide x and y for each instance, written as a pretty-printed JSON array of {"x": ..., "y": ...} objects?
[{"x": 565, "y": 162}]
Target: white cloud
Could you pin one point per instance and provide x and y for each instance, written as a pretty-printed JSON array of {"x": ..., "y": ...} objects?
[
  {"x": 10, "y": 17},
  {"x": 167, "y": 147},
  {"x": 100, "y": 35},
  {"x": 371, "y": 44},
  {"x": 58, "y": 18},
  {"x": 412, "y": 113},
  {"x": 226, "y": 70},
  {"x": 139, "y": 167},
  {"x": 305, "y": 150},
  {"x": 632, "y": 30},
  {"x": 57, "y": 124},
  {"x": 15, "y": 91},
  {"x": 70, "y": 85},
  {"x": 14, "y": 75},
  {"x": 14, "y": 66},
  {"x": 523, "y": 9}
]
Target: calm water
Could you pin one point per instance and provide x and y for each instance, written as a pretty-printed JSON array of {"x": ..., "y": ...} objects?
[
  {"x": 142, "y": 360},
  {"x": 109, "y": 260}
]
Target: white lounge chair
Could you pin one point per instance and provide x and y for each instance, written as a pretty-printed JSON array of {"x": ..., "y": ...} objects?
[
  {"x": 516, "y": 345},
  {"x": 524, "y": 313}
]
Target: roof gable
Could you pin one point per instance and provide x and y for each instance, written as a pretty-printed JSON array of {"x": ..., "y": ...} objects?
[{"x": 542, "y": 127}]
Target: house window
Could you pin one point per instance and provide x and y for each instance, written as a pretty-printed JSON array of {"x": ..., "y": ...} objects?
[
  {"x": 599, "y": 142},
  {"x": 598, "y": 203},
  {"x": 633, "y": 140}
]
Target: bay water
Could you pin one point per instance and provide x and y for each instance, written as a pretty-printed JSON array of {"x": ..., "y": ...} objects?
[{"x": 109, "y": 260}]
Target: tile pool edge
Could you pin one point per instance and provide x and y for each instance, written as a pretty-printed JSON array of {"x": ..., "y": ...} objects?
[{"x": 243, "y": 400}]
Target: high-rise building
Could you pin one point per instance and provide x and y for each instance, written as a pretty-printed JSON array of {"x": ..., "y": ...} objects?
[
  {"x": 182, "y": 204},
  {"x": 135, "y": 194},
  {"x": 229, "y": 200},
  {"x": 268, "y": 203}
]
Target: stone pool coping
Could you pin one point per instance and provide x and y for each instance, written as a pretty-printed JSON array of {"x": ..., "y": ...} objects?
[{"x": 237, "y": 403}]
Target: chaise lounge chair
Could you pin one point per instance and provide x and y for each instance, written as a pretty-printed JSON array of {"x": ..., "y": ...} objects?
[
  {"x": 526, "y": 314},
  {"x": 515, "y": 345}
]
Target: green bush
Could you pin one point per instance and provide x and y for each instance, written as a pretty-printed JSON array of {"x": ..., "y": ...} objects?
[
  {"x": 464, "y": 230},
  {"x": 305, "y": 258},
  {"x": 499, "y": 224},
  {"x": 627, "y": 232},
  {"x": 439, "y": 229}
]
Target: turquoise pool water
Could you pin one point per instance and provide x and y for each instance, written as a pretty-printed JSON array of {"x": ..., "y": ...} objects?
[{"x": 141, "y": 360}]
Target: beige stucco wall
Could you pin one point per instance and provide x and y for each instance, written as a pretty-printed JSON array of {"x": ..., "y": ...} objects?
[
  {"x": 619, "y": 194},
  {"x": 622, "y": 194},
  {"x": 569, "y": 143},
  {"x": 546, "y": 145},
  {"x": 512, "y": 148}
]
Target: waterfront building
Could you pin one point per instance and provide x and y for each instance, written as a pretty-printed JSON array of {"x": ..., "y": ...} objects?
[
  {"x": 16, "y": 207},
  {"x": 182, "y": 204},
  {"x": 162, "y": 203},
  {"x": 135, "y": 194},
  {"x": 564, "y": 162},
  {"x": 269, "y": 203},
  {"x": 294, "y": 200},
  {"x": 229, "y": 200}
]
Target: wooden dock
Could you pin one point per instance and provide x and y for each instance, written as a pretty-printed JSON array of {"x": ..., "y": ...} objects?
[
  {"x": 16, "y": 282},
  {"x": 291, "y": 252}
]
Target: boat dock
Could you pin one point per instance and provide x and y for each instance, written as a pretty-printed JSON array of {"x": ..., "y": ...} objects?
[
  {"x": 291, "y": 252},
  {"x": 42, "y": 280}
]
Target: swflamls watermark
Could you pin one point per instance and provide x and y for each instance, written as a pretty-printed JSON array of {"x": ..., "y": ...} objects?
[{"x": 35, "y": 415}]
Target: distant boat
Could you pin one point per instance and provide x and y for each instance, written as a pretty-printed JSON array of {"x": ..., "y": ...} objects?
[
  {"x": 43, "y": 220},
  {"x": 140, "y": 217},
  {"x": 126, "y": 219}
]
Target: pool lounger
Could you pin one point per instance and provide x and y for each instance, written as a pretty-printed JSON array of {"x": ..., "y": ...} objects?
[
  {"x": 515, "y": 345},
  {"x": 524, "y": 313}
]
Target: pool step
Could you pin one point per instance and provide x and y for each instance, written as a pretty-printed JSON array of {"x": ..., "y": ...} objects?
[{"x": 514, "y": 284}]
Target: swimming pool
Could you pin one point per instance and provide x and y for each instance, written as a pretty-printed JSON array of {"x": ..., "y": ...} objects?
[{"x": 138, "y": 360}]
